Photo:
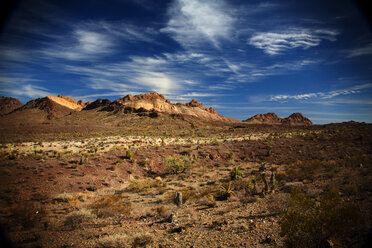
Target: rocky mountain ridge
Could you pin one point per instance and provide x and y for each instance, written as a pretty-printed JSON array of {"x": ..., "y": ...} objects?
[
  {"x": 295, "y": 119},
  {"x": 150, "y": 104}
]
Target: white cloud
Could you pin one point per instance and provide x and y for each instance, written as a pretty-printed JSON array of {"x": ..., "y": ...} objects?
[
  {"x": 29, "y": 90},
  {"x": 322, "y": 95},
  {"x": 360, "y": 51},
  {"x": 83, "y": 44},
  {"x": 193, "y": 22},
  {"x": 275, "y": 43},
  {"x": 92, "y": 40},
  {"x": 157, "y": 81}
]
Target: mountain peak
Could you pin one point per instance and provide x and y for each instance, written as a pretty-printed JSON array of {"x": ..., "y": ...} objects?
[
  {"x": 68, "y": 102},
  {"x": 153, "y": 96},
  {"x": 295, "y": 119},
  {"x": 8, "y": 104}
]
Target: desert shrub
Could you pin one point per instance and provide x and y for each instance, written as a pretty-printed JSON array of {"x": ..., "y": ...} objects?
[
  {"x": 225, "y": 192},
  {"x": 307, "y": 224},
  {"x": 303, "y": 170},
  {"x": 143, "y": 239},
  {"x": 188, "y": 194},
  {"x": 235, "y": 173},
  {"x": 84, "y": 158},
  {"x": 112, "y": 206},
  {"x": 114, "y": 241},
  {"x": 27, "y": 214},
  {"x": 129, "y": 154},
  {"x": 118, "y": 161},
  {"x": 78, "y": 217},
  {"x": 145, "y": 184},
  {"x": 63, "y": 197},
  {"x": 177, "y": 164}
]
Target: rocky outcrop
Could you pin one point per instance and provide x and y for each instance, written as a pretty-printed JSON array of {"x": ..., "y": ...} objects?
[
  {"x": 295, "y": 119},
  {"x": 268, "y": 118},
  {"x": 68, "y": 102},
  {"x": 156, "y": 103},
  {"x": 97, "y": 104},
  {"x": 9, "y": 104},
  {"x": 153, "y": 96}
]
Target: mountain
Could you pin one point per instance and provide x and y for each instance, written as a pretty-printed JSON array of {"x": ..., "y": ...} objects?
[
  {"x": 53, "y": 106},
  {"x": 268, "y": 118},
  {"x": 295, "y": 119},
  {"x": 9, "y": 104},
  {"x": 153, "y": 104}
]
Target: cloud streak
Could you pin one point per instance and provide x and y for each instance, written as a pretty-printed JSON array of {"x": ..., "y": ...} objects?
[
  {"x": 275, "y": 43},
  {"x": 360, "y": 51},
  {"x": 322, "y": 95}
]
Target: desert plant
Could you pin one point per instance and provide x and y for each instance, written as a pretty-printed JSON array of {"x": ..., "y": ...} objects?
[
  {"x": 27, "y": 214},
  {"x": 83, "y": 158},
  {"x": 145, "y": 184},
  {"x": 177, "y": 164},
  {"x": 112, "y": 206},
  {"x": 114, "y": 241},
  {"x": 129, "y": 154},
  {"x": 76, "y": 218},
  {"x": 142, "y": 239},
  {"x": 225, "y": 191},
  {"x": 235, "y": 173},
  {"x": 118, "y": 161},
  {"x": 307, "y": 224},
  {"x": 256, "y": 190}
]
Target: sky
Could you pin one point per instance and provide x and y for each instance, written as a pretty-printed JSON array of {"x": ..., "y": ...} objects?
[{"x": 241, "y": 57}]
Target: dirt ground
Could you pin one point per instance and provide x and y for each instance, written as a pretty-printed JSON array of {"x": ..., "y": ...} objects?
[{"x": 119, "y": 190}]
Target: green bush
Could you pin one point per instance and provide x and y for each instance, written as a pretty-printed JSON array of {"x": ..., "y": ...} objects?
[
  {"x": 307, "y": 224},
  {"x": 129, "y": 154},
  {"x": 177, "y": 164}
]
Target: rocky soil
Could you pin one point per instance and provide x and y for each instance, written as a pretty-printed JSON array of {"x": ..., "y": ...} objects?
[{"x": 119, "y": 191}]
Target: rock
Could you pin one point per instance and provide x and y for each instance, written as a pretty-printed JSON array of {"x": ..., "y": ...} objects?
[
  {"x": 268, "y": 118},
  {"x": 178, "y": 198},
  {"x": 97, "y": 104},
  {"x": 295, "y": 119}
]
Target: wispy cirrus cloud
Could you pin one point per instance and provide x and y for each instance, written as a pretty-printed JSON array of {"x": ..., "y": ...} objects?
[
  {"x": 92, "y": 40},
  {"x": 274, "y": 43},
  {"x": 29, "y": 90},
  {"x": 323, "y": 95},
  {"x": 360, "y": 51},
  {"x": 193, "y": 22}
]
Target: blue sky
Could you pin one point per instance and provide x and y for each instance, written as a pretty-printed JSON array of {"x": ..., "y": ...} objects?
[{"x": 241, "y": 57}]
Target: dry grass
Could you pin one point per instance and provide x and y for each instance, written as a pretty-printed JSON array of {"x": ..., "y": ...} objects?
[
  {"x": 78, "y": 217},
  {"x": 141, "y": 185},
  {"x": 112, "y": 206},
  {"x": 114, "y": 241}
]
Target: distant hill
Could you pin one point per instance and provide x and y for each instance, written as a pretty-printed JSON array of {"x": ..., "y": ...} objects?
[
  {"x": 295, "y": 119},
  {"x": 9, "y": 104}
]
